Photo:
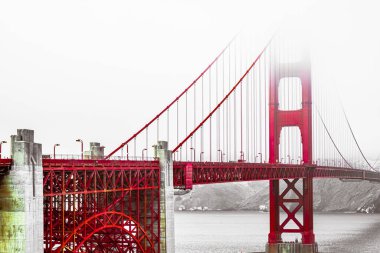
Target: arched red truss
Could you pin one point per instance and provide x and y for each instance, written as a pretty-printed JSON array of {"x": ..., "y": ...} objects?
[{"x": 106, "y": 221}]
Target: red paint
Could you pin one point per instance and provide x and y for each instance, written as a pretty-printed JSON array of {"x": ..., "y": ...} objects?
[
  {"x": 302, "y": 119},
  {"x": 224, "y": 172},
  {"x": 92, "y": 205},
  {"x": 188, "y": 173},
  {"x": 5, "y": 166}
]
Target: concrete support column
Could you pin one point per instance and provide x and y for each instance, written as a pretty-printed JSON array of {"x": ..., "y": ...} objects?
[
  {"x": 167, "y": 243},
  {"x": 96, "y": 151},
  {"x": 21, "y": 197}
]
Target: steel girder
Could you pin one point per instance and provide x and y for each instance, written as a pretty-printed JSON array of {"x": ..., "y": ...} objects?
[
  {"x": 101, "y": 206},
  {"x": 210, "y": 173}
]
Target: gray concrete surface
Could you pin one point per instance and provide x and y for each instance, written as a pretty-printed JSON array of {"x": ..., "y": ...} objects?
[
  {"x": 167, "y": 242},
  {"x": 21, "y": 197}
]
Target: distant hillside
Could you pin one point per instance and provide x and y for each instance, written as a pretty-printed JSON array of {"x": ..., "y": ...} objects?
[{"x": 330, "y": 195}]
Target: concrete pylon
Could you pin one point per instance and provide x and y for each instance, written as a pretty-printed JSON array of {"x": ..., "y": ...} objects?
[
  {"x": 96, "y": 151},
  {"x": 167, "y": 242},
  {"x": 21, "y": 197}
]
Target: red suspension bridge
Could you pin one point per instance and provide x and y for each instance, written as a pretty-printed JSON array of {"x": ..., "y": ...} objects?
[{"x": 250, "y": 115}]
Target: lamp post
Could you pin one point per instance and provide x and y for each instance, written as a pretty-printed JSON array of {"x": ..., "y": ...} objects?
[
  {"x": 201, "y": 156},
  {"x": 193, "y": 153},
  {"x": 81, "y": 147},
  {"x": 55, "y": 145},
  {"x": 142, "y": 154},
  {"x": 221, "y": 154},
  {"x": 1, "y": 143}
]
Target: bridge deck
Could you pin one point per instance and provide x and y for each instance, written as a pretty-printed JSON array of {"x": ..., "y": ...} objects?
[{"x": 216, "y": 172}]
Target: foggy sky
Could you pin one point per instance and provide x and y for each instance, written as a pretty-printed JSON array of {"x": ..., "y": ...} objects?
[{"x": 99, "y": 70}]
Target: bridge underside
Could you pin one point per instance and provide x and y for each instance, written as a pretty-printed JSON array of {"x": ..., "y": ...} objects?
[{"x": 101, "y": 206}]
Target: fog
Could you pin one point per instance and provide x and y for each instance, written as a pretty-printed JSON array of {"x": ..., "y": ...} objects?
[{"x": 99, "y": 70}]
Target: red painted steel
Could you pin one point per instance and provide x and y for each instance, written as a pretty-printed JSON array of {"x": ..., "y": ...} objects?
[
  {"x": 188, "y": 176},
  {"x": 279, "y": 119},
  {"x": 101, "y": 206},
  {"x": 5, "y": 166},
  {"x": 219, "y": 172}
]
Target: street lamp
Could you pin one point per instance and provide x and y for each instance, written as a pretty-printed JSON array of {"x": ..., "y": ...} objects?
[
  {"x": 201, "y": 156},
  {"x": 193, "y": 153},
  {"x": 221, "y": 154},
  {"x": 55, "y": 145},
  {"x": 1, "y": 143},
  {"x": 142, "y": 153},
  {"x": 81, "y": 147},
  {"x": 261, "y": 157},
  {"x": 241, "y": 156}
]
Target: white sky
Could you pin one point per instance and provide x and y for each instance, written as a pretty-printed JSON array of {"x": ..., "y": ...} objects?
[{"x": 99, "y": 70}]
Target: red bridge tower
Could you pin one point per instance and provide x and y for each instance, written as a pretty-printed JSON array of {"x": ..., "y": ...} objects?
[{"x": 279, "y": 200}]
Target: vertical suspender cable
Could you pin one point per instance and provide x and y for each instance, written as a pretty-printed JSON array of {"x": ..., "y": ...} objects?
[
  {"x": 186, "y": 125},
  {"x": 202, "y": 142}
]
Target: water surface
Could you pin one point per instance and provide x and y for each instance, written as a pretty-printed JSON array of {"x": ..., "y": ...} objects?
[{"x": 245, "y": 231}]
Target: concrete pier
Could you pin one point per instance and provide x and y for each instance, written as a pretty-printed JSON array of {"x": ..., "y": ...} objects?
[
  {"x": 167, "y": 243},
  {"x": 291, "y": 247},
  {"x": 21, "y": 197},
  {"x": 96, "y": 151}
]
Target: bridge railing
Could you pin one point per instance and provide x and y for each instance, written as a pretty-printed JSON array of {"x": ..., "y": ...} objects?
[{"x": 91, "y": 157}]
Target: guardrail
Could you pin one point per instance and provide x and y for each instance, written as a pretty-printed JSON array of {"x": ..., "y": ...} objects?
[{"x": 89, "y": 157}]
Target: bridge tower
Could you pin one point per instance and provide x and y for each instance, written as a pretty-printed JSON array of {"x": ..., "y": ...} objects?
[
  {"x": 279, "y": 200},
  {"x": 167, "y": 244}
]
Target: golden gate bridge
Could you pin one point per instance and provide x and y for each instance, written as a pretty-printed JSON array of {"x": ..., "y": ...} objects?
[{"x": 250, "y": 115}]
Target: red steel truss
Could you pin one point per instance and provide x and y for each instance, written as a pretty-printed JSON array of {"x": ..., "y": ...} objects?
[
  {"x": 188, "y": 174},
  {"x": 101, "y": 206}
]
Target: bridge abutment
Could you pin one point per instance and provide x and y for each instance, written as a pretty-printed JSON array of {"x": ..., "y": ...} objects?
[
  {"x": 167, "y": 243},
  {"x": 21, "y": 197},
  {"x": 291, "y": 247}
]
